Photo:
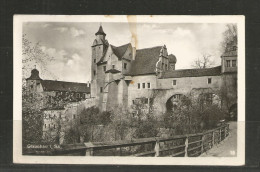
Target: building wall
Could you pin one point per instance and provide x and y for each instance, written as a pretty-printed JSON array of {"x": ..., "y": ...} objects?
[
  {"x": 185, "y": 84},
  {"x": 134, "y": 92},
  {"x": 225, "y": 68}
]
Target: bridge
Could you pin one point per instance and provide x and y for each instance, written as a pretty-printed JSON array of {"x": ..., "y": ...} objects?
[{"x": 191, "y": 145}]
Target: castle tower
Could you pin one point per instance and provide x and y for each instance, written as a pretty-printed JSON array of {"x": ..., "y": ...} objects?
[
  {"x": 34, "y": 81},
  {"x": 99, "y": 48},
  {"x": 229, "y": 57}
]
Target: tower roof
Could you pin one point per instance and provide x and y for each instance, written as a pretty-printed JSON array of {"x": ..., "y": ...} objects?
[
  {"x": 172, "y": 58},
  {"x": 100, "y": 31},
  {"x": 34, "y": 75}
]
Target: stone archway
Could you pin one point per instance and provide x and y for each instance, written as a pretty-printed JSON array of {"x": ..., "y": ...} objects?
[{"x": 172, "y": 103}]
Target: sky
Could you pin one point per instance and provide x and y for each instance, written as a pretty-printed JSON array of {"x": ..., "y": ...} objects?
[{"x": 70, "y": 43}]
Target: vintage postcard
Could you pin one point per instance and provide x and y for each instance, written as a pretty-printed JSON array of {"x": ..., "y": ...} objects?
[{"x": 136, "y": 90}]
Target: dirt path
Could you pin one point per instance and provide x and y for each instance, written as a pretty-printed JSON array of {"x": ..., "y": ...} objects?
[{"x": 228, "y": 147}]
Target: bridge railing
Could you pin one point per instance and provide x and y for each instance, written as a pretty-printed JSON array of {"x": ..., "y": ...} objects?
[{"x": 190, "y": 145}]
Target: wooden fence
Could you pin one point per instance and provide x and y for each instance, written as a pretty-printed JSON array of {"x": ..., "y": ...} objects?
[{"x": 191, "y": 145}]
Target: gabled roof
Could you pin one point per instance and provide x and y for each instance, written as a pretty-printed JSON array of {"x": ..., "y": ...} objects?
[
  {"x": 51, "y": 85},
  {"x": 120, "y": 51},
  {"x": 215, "y": 71},
  {"x": 145, "y": 61}
]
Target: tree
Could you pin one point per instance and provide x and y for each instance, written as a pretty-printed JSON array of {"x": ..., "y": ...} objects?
[
  {"x": 33, "y": 102},
  {"x": 230, "y": 34},
  {"x": 33, "y": 54},
  {"x": 203, "y": 62}
]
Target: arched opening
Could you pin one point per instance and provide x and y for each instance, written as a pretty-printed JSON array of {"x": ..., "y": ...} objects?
[
  {"x": 172, "y": 102},
  {"x": 233, "y": 112}
]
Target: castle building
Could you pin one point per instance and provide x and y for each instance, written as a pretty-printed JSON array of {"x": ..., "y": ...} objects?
[{"x": 123, "y": 75}]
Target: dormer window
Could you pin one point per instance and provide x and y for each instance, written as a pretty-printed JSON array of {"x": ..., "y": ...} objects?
[
  {"x": 113, "y": 66},
  {"x": 125, "y": 65}
]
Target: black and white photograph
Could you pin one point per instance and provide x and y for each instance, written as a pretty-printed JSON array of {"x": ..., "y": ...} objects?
[{"x": 157, "y": 90}]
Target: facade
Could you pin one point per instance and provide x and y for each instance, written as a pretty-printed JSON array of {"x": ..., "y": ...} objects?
[
  {"x": 62, "y": 103},
  {"x": 123, "y": 75},
  {"x": 69, "y": 91}
]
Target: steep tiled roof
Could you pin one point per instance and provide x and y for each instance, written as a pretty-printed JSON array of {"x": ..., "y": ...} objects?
[
  {"x": 193, "y": 72},
  {"x": 50, "y": 85},
  {"x": 120, "y": 51},
  {"x": 145, "y": 61}
]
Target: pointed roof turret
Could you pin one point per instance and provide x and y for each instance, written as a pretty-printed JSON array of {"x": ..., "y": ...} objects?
[{"x": 100, "y": 31}]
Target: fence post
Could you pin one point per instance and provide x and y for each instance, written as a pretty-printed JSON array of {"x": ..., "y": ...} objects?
[
  {"x": 219, "y": 135},
  {"x": 202, "y": 144},
  {"x": 213, "y": 138},
  {"x": 157, "y": 148},
  {"x": 225, "y": 132},
  {"x": 186, "y": 146}
]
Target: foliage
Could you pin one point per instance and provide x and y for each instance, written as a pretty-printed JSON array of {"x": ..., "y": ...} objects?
[
  {"x": 230, "y": 34},
  {"x": 32, "y": 118},
  {"x": 191, "y": 117},
  {"x": 205, "y": 61},
  {"x": 32, "y": 55}
]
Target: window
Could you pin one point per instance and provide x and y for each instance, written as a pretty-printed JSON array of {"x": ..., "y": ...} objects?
[
  {"x": 84, "y": 95},
  {"x": 177, "y": 96},
  {"x": 104, "y": 68},
  {"x": 139, "y": 85},
  {"x": 32, "y": 86},
  {"x": 54, "y": 116},
  {"x": 49, "y": 115},
  {"x": 228, "y": 63},
  {"x": 174, "y": 82},
  {"x": 94, "y": 72},
  {"x": 54, "y": 126},
  {"x": 78, "y": 95},
  {"x": 125, "y": 65},
  {"x": 162, "y": 65},
  {"x": 166, "y": 66},
  {"x": 113, "y": 66},
  {"x": 234, "y": 48},
  {"x": 101, "y": 89},
  {"x": 49, "y": 125},
  {"x": 143, "y": 85},
  {"x": 209, "y": 80},
  {"x": 133, "y": 101},
  {"x": 94, "y": 60},
  {"x": 234, "y": 63},
  {"x": 44, "y": 125},
  {"x": 74, "y": 116},
  {"x": 148, "y": 85},
  {"x": 60, "y": 116}
]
